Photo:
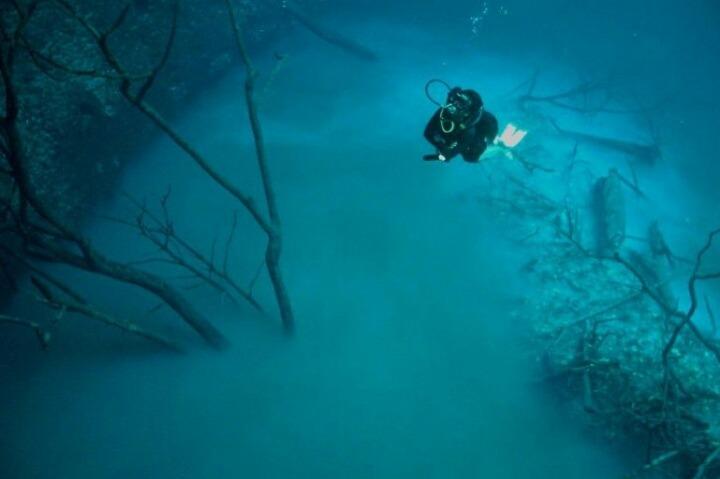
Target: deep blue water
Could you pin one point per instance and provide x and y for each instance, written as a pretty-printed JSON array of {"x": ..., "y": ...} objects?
[{"x": 406, "y": 361}]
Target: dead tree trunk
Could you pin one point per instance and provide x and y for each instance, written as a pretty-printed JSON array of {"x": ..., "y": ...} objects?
[{"x": 274, "y": 232}]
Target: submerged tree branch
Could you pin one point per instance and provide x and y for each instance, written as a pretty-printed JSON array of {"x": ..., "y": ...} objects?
[
  {"x": 271, "y": 226},
  {"x": 274, "y": 246},
  {"x": 48, "y": 242},
  {"x": 84, "y": 309},
  {"x": 162, "y": 233},
  {"x": 138, "y": 101},
  {"x": 42, "y": 335}
]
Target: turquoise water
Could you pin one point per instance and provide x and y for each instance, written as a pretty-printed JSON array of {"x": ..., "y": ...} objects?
[{"x": 407, "y": 361}]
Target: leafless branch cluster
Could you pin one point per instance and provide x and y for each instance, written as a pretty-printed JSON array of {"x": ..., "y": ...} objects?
[
  {"x": 159, "y": 230},
  {"x": 605, "y": 315},
  {"x": 589, "y": 97},
  {"x": 43, "y": 237}
]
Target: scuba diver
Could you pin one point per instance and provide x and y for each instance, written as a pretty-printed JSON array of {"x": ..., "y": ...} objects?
[
  {"x": 463, "y": 126},
  {"x": 460, "y": 126}
]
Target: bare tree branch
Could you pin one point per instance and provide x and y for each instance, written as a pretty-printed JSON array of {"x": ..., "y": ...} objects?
[
  {"x": 84, "y": 309},
  {"x": 163, "y": 235},
  {"x": 165, "y": 56},
  {"x": 274, "y": 246},
  {"x": 41, "y": 245},
  {"x": 579, "y": 98},
  {"x": 158, "y": 120},
  {"x": 46, "y": 237}
]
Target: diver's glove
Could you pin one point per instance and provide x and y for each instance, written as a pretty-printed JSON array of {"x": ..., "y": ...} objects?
[{"x": 435, "y": 157}]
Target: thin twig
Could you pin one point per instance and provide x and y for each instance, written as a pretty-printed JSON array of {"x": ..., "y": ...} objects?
[
  {"x": 228, "y": 243},
  {"x": 42, "y": 335},
  {"x": 124, "y": 325},
  {"x": 162, "y": 234}
]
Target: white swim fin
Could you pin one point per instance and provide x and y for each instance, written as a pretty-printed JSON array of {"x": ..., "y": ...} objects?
[{"x": 511, "y": 136}]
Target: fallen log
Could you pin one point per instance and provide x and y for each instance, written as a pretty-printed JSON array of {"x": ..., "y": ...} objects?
[
  {"x": 334, "y": 38},
  {"x": 645, "y": 153}
]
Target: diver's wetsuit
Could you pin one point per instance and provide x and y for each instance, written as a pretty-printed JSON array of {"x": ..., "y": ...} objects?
[{"x": 470, "y": 141}]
